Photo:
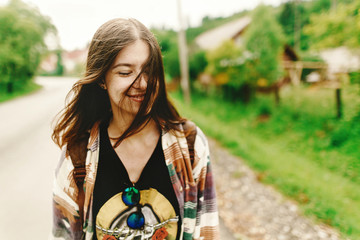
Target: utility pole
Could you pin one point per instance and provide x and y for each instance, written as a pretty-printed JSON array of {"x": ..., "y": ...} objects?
[
  {"x": 183, "y": 56},
  {"x": 333, "y": 5}
]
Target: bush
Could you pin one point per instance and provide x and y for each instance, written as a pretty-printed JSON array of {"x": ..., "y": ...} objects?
[
  {"x": 340, "y": 136},
  {"x": 197, "y": 64},
  {"x": 354, "y": 77}
]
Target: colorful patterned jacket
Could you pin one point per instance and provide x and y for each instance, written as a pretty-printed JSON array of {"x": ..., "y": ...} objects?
[{"x": 192, "y": 181}]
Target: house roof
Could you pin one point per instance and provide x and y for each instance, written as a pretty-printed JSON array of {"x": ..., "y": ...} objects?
[{"x": 214, "y": 37}]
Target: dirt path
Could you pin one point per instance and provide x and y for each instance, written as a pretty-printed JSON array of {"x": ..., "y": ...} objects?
[{"x": 253, "y": 211}]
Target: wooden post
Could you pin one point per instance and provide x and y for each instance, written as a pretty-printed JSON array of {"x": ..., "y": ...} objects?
[
  {"x": 184, "y": 68},
  {"x": 338, "y": 103}
]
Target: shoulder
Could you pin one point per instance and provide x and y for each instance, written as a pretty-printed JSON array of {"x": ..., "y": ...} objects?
[
  {"x": 188, "y": 136},
  {"x": 199, "y": 149},
  {"x": 197, "y": 142},
  {"x": 190, "y": 131},
  {"x": 195, "y": 135}
]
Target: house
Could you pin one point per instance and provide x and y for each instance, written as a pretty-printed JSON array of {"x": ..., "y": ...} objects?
[
  {"x": 48, "y": 65},
  {"x": 213, "y": 38},
  {"x": 234, "y": 31},
  {"x": 341, "y": 59},
  {"x": 74, "y": 61}
]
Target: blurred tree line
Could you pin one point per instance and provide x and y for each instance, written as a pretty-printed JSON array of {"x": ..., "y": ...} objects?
[
  {"x": 305, "y": 26},
  {"x": 338, "y": 27},
  {"x": 298, "y": 17},
  {"x": 22, "y": 32}
]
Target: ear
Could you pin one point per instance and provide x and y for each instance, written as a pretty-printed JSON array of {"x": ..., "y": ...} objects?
[{"x": 102, "y": 85}]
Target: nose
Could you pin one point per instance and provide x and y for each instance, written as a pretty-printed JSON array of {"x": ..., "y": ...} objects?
[{"x": 141, "y": 82}]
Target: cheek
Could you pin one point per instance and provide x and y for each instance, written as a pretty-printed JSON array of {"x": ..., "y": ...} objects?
[
  {"x": 116, "y": 90},
  {"x": 116, "y": 85}
]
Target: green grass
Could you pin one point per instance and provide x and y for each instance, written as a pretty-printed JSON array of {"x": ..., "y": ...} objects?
[
  {"x": 18, "y": 90},
  {"x": 299, "y": 147}
]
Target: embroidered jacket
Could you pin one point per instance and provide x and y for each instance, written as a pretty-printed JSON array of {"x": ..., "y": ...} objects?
[{"x": 192, "y": 182}]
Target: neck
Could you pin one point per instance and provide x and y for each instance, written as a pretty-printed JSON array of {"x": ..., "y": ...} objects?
[{"x": 118, "y": 126}]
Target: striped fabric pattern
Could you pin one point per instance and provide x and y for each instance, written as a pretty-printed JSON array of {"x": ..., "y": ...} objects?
[{"x": 193, "y": 184}]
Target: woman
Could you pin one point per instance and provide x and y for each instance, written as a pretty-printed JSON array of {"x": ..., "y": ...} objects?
[{"x": 131, "y": 167}]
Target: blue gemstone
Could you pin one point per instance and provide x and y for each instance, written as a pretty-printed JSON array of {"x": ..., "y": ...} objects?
[
  {"x": 131, "y": 196},
  {"x": 136, "y": 220}
]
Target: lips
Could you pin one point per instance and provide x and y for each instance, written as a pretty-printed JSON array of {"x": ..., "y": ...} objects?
[{"x": 137, "y": 97}]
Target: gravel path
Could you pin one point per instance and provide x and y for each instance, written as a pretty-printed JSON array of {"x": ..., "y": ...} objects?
[{"x": 254, "y": 211}]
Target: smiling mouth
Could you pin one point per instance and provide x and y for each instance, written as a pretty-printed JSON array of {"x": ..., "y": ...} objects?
[{"x": 137, "y": 97}]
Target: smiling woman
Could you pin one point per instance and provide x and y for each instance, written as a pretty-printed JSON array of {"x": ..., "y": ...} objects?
[
  {"x": 126, "y": 68},
  {"x": 132, "y": 167}
]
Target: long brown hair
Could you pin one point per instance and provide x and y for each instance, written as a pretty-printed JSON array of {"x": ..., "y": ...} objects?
[{"x": 89, "y": 103}]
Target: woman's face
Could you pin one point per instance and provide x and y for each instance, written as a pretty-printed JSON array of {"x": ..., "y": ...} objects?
[{"x": 122, "y": 73}]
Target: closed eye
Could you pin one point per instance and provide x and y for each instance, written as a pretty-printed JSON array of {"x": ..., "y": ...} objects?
[{"x": 124, "y": 73}]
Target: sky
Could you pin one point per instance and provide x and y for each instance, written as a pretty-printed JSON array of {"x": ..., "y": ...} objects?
[{"x": 77, "y": 20}]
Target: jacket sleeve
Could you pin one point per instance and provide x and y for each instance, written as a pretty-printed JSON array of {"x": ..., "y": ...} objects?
[
  {"x": 66, "y": 218},
  {"x": 207, "y": 220}
]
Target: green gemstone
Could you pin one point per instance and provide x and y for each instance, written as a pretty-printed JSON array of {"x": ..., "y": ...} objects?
[{"x": 131, "y": 196}]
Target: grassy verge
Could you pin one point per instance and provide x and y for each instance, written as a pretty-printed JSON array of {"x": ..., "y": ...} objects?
[
  {"x": 18, "y": 90},
  {"x": 298, "y": 147}
]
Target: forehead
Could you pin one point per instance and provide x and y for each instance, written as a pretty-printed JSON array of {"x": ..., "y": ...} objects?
[{"x": 135, "y": 54}]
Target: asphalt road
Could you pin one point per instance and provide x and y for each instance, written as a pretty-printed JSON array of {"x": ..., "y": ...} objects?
[{"x": 27, "y": 161}]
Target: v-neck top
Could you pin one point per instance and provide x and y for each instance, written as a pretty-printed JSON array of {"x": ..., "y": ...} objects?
[{"x": 112, "y": 177}]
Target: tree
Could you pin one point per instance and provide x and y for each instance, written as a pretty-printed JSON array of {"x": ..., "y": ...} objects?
[
  {"x": 225, "y": 61},
  {"x": 264, "y": 39},
  {"x": 335, "y": 28},
  {"x": 292, "y": 12},
  {"x": 228, "y": 64},
  {"x": 22, "y": 33},
  {"x": 168, "y": 42},
  {"x": 319, "y": 6},
  {"x": 59, "y": 71}
]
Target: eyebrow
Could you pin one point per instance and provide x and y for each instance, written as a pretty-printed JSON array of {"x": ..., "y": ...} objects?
[
  {"x": 123, "y": 64},
  {"x": 126, "y": 65}
]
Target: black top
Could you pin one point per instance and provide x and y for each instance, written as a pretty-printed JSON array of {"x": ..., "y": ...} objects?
[{"x": 112, "y": 177}]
